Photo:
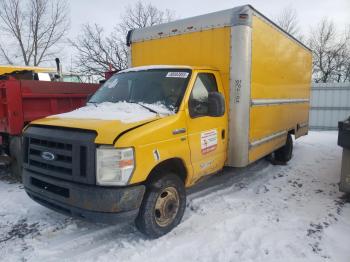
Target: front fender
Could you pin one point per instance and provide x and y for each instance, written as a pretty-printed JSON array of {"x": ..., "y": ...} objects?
[{"x": 154, "y": 143}]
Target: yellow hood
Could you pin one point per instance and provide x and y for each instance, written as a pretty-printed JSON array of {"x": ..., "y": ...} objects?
[{"x": 107, "y": 130}]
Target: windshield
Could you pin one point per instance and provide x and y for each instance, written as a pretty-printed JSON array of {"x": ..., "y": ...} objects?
[{"x": 156, "y": 86}]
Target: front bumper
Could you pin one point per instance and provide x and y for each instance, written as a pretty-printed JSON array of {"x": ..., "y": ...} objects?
[{"x": 94, "y": 203}]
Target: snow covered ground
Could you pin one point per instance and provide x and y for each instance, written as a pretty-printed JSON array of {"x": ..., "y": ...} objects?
[{"x": 262, "y": 213}]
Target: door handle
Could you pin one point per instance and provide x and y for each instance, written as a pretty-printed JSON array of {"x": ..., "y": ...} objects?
[
  {"x": 179, "y": 131},
  {"x": 223, "y": 134}
]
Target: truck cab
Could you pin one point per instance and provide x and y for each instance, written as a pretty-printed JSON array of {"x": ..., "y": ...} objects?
[{"x": 180, "y": 133}]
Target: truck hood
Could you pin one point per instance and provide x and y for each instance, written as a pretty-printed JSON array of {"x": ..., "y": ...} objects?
[
  {"x": 107, "y": 130},
  {"x": 107, "y": 119}
]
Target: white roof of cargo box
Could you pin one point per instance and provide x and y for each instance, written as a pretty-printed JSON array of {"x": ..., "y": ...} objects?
[
  {"x": 143, "y": 68},
  {"x": 240, "y": 15},
  {"x": 151, "y": 67}
]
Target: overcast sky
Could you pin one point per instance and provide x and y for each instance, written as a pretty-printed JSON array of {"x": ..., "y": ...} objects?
[{"x": 107, "y": 12}]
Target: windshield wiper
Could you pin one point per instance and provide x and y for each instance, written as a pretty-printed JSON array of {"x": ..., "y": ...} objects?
[{"x": 148, "y": 108}]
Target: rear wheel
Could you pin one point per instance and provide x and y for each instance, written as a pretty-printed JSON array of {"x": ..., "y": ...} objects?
[
  {"x": 15, "y": 150},
  {"x": 163, "y": 206},
  {"x": 285, "y": 153}
]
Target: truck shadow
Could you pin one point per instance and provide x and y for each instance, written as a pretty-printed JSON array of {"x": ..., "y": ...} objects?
[{"x": 228, "y": 177}]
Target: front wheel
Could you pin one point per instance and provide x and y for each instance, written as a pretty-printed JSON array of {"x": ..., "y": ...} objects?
[{"x": 163, "y": 206}]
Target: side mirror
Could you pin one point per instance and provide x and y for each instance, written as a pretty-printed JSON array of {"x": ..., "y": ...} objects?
[{"x": 216, "y": 104}]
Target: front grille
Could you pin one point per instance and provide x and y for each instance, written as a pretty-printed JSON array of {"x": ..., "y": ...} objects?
[
  {"x": 63, "y": 155},
  {"x": 73, "y": 153}
]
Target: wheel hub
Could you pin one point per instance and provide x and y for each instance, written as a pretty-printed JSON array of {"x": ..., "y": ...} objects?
[{"x": 167, "y": 206}]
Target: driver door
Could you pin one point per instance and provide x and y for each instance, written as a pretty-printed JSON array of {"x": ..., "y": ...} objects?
[{"x": 207, "y": 135}]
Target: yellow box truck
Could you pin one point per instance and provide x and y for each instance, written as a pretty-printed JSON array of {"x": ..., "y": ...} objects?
[{"x": 221, "y": 89}]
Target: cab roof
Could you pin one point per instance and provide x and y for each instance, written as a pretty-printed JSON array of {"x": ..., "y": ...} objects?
[{"x": 152, "y": 67}]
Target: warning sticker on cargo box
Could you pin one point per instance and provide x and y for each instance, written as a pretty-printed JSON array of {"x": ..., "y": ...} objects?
[
  {"x": 209, "y": 141},
  {"x": 177, "y": 74}
]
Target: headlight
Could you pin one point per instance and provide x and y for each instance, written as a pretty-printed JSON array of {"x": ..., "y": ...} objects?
[{"x": 114, "y": 166}]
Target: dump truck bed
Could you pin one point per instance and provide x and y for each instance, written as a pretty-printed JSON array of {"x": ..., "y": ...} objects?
[{"x": 27, "y": 100}]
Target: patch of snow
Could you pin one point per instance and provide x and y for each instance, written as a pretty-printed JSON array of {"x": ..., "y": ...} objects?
[
  {"x": 331, "y": 85},
  {"x": 260, "y": 213},
  {"x": 150, "y": 67},
  {"x": 122, "y": 111},
  {"x": 336, "y": 238}
]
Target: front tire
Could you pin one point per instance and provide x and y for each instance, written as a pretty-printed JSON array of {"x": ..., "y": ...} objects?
[{"x": 163, "y": 206}]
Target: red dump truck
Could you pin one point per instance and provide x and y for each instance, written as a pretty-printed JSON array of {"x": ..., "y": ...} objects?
[{"x": 22, "y": 101}]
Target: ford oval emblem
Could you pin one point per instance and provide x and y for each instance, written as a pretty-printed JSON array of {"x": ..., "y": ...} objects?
[{"x": 48, "y": 156}]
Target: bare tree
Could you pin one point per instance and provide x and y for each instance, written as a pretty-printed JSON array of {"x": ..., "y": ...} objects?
[
  {"x": 330, "y": 53},
  {"x": 142, "y": 15},
  {"x": 32, "y": 28},
  {"x": 288, "y": 21},
  {"x": 345, "y": 70},
  {"x": 97, "y": 52}
]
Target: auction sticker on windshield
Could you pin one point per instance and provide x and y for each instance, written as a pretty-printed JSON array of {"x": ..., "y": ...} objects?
[
  {"x": 209, "y": 141},
  {"x": 177, "y": 74}
]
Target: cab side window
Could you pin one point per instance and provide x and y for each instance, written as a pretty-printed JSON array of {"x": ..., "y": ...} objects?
[{"x": 198, "y": 102}]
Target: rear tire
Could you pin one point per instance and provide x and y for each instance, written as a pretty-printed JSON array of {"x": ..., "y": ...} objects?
[
  {"x": 285, "y": 153},
  {"x": 163, "y": 206},
  {"x": 15, "y": 149}
]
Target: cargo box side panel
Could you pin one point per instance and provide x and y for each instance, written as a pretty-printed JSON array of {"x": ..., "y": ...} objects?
[
  {"x": 280, "y": 88},
  {"x": 266, "y": 120},
  {"x": 205, "y": 48}
]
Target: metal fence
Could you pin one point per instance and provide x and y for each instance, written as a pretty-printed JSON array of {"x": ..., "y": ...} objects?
[{"x": 330, "y": 103}]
